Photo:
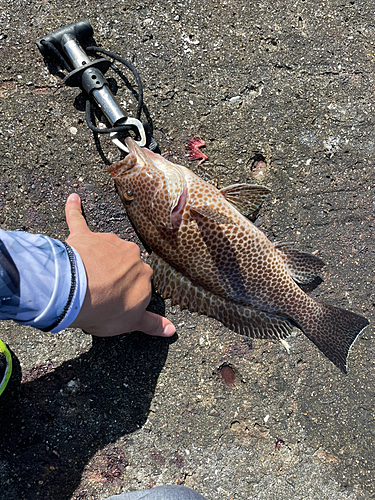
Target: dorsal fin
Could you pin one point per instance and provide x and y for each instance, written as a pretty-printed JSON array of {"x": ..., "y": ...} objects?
[
  {"x": 303, "y": 267},
  {"x": 243, "y": 319},
  {"x": 211, "y": 213},
  {"x": 245, "y": 197}
]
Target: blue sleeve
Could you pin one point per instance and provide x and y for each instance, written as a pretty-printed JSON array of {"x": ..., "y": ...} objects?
[{"x": 42, "y": 281}]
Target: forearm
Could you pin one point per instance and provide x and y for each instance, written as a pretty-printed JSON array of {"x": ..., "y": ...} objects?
[{"x": 42, "y": 281}]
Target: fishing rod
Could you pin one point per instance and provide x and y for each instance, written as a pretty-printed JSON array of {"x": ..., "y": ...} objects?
[{"x": 69, "y": 48}]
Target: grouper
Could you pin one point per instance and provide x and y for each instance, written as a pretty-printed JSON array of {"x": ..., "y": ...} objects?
[{"x": 208, "y": 256}]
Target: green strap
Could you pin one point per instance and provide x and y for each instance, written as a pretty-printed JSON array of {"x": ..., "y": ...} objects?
[{"x": 8, "y": 370}]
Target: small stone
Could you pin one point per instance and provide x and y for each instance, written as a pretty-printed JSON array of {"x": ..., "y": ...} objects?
[
  {"x": 259, "y": 169},
  {"x": 228, "y": 375}
]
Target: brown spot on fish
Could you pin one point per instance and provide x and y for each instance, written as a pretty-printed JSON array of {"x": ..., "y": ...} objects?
[{"x": 207, "y": 256}]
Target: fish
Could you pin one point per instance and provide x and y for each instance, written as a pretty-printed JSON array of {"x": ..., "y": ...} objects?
[{"x": 207, "y": 255}]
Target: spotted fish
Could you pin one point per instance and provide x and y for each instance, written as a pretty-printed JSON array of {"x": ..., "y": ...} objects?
[{"x": 208, "y": 257}]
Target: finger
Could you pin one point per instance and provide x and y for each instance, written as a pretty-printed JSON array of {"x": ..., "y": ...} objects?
[
  {"x": 74, "y": 218},
  {"x": 156, "y": 325}
]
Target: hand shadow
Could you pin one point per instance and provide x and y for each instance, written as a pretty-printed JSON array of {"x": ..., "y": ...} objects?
[{"x": 57, "y": 422}]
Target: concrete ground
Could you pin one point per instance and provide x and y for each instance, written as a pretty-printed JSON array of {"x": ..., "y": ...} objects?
[{"x": 283, "y": 94}]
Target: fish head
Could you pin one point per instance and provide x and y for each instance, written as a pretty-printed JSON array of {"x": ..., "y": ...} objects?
[{"x": 150, "y": 184}]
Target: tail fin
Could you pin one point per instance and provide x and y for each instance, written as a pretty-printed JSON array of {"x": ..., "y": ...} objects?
[{"x": 334, "y": 331}]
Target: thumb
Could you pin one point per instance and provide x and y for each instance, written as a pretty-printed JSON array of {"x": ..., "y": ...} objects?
[
  {"x": 153, "y": 324},
  {"x": 74, "y": 218}
]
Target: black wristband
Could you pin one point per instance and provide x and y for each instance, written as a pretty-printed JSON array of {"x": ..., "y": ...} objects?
[{"x": 71, "y": 291}]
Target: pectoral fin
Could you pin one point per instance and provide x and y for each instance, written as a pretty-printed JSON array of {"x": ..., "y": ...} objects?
[
  {"x": 210, "y": 213},
  {"x": 245, "y": 197},
  {"x": 303, "y": 267}
]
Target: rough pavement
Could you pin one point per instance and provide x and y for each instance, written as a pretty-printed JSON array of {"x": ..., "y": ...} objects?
[{"x": 283, "y": 94}]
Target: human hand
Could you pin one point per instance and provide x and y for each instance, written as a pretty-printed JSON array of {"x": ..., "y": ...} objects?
[{"x": 118, "y": 282}]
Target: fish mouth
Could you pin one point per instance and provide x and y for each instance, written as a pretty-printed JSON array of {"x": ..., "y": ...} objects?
[
  {"x": 130, "y": 142},
  {"x": 141, "y": 153},
  {"x": 144, "y": 155}
]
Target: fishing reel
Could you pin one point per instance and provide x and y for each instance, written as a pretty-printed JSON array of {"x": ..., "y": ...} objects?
[{"x": 65, "y": 48}]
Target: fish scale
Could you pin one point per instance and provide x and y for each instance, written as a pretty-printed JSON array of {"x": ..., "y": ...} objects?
[{"x": 209, "y": 257}]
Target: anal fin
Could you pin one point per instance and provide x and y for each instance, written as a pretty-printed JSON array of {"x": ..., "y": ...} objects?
[
  {"x": 303, "y": 267},
  {"x": 245, "y": 320}
]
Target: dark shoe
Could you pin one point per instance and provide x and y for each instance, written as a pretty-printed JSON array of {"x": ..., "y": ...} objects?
[{"x": 5, "y": 366}]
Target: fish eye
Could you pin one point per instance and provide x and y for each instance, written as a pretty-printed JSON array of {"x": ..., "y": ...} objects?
[{"x": 128, "y": 195}]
